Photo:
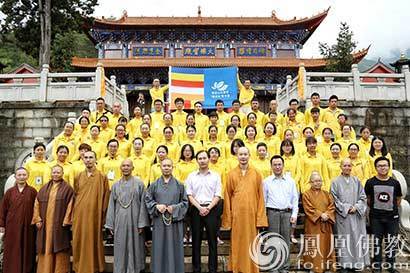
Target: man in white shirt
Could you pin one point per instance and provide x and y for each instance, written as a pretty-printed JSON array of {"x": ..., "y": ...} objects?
[
  {"x": 204, "y": 192},
  {"x": 281, "y": 202}
]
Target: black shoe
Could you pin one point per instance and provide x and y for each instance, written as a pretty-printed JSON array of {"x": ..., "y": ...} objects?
[
  {"x": 393, "y": 271},
  {"x": 376, "y": 271}
]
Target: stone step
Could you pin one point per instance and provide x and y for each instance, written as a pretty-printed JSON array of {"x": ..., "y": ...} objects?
[{"x": 295, "y": 264}]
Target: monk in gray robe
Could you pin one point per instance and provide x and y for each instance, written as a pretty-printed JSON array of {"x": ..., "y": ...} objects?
[
  {"x": 350, "y": 201},
  {"x": 167, "y": 204},
  {"x": 126, "y": 218}
]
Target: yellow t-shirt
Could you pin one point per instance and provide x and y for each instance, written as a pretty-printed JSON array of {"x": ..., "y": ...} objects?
[
  {"x": 308, "y": 164},
  {"x": 183, "y": 169},
  {"x": 124, "y": 150},
  {"x": 67, "y": 168},
  {"x": 38, "y": 171},
  {"x": 133, "y": 128},
  {"x": 71, "y": 142},
  {"x": 245, "y": 95},
  {"x": 263, "y": 166},
  {"x": 99, "y": 147},
  {"x": 158, "y": 94},
  {"x": 111, "y": 167},
  {"x": 142, "y": 168}
]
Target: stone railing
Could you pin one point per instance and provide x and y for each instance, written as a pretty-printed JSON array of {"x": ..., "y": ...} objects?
[
  {"x": 50, "y": 87},
  {"x": 349, "y": 86}
]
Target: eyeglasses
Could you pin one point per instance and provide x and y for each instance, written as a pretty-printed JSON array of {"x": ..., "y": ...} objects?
[{"x": 382, "y": 166}]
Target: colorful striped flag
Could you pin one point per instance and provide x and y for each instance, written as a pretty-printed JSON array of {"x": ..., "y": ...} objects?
[{"x": 202, "y": 84}]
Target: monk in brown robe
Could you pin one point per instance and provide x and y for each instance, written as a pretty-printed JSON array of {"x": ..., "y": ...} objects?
[
  {"x": 52, "y": 216},
  {"x": 319, "y": 255},
  {"x": 90, "y": 205},
  {"x": 244, "y": 212},
  {"x": 16, "y": 211}
]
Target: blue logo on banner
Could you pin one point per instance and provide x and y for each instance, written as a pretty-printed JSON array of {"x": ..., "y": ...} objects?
[{"x": 220, "y": 84}]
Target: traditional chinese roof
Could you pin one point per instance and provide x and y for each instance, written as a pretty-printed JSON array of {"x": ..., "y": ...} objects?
[
  {"x": 125, "y": 21},
  {"x": 208, "y": 62},
  {"x": 379, "y": 66}
]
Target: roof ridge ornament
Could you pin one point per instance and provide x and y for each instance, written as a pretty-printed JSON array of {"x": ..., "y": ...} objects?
[{"x": 199, "y": 11}]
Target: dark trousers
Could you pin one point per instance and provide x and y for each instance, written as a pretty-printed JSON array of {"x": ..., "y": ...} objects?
[
  {"x": 388, "y": 229},
  {"x": 197, "y": 225}
]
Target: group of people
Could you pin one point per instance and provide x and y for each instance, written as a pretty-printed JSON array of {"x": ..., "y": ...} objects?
[{"x": 181, "y": 173}]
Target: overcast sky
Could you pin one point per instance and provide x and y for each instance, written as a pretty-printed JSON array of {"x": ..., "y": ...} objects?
[{"x": 380, "y": 23}]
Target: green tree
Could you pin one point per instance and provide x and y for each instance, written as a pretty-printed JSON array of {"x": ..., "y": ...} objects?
[
  {"x": 12, "y": 56},
  {"x": 22, "y": 18},
  {"x": 339, "y": 55},
  {"x": 65, "y": 46}
]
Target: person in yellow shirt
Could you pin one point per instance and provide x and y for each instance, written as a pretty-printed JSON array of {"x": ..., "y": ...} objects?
[
  {"x": 192, "y": 139},
  {"x": 335, "y": 162},
  {"x": 100, "y": 111},
  {"x": 174, "y": 149},
  {"x": 133, "y": 127},
  {"x": 331, "y": 113},
  {"x": 157, "y": 92},
  {"x": 316, "y": 124},
  {"x": 66, "y": 138},
  {"x": 213, "y": 121},
  {"x": 106, "y": 133},
  {"x": 360, "y": 166},
  {"x": 186, "y": 163},
  {"x": 125, "y": 147},
  {"x": 85, "y": 112},
  {"x": 214, "y": 142},
  {"x": 115, "y": 115},
  {"x": 111, "y": 164},
  {"x": 260, "y": 120},
  {"x": 291, "y": 167},
  {"x": 273, "y": 108},
  {"x": 365, "y": 141},
  {"x": 201, "y": 121},
  {"x": 78, "y": 166},
  {"x": 246, "y": 95},
  {"x": 161, "y": 154},
  {"x": 97, "y": 145},
  {"x": 142, "y": 165},
  {"x": 236, "y": 122},
  {"x": 294, "y": 125},
  {"x": 271, "y": 139},
  {"x": 342, "y": 119},
  {"x": 252, "y": 119},
  {"x": 312, "y": 161},
  {"x": 223, "y": 117},
  {"x": 345, "y": 140},
  {"x": 250, "y": 140},
  {"x": 149, "y": 143},
  {"x": 262, "y": 162},
  {"x": 236, "y": 110},
  {"x": 157, "y": 121},
  {"x": 315, "y": 99},
  {"x": 273, "y": 118},
  {"x": 300, "y": 147},
  {"x": 230, "y": 136},
  {"x": 300, "y": 117},
  {"x": 37, "y": 167},
  {"x": 82, "y": 133},
  {"x": 324, "y": 147},
  {"x": 179, "y": 116},
  {"x": 62, "y": 160},
  {"x": 377, "y": 150},
  {"x": 232, "y": 160},
  {"x": 182, "y": 132}
]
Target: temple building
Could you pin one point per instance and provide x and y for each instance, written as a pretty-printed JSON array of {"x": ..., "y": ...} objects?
[{"x": 266, "y": 49}]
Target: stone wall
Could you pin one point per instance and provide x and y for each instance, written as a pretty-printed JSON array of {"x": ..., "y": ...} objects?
[
  {"x": 21, "y": 123},
  {"x": 389, "y": 120}
]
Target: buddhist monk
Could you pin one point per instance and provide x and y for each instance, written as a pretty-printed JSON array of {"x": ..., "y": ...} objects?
[
  {"x": 16, "y": 212},
  {"x": 90, "y": 205},
  {"x": 244, "y": 211},
  {"x": 52, "y": 216},
  {"x": 319, "y": 208}
]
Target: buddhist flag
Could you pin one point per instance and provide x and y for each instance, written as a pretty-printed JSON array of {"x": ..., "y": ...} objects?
[{"x": 202, "y": 84}]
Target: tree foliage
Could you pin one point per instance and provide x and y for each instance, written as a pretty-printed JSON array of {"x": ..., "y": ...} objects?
[
  {"x": 340, "y": 55},
  {"x": 12, "y": 56},
  {"x": 22, "y": 20},
  {"x": 65, "y": 46}
]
